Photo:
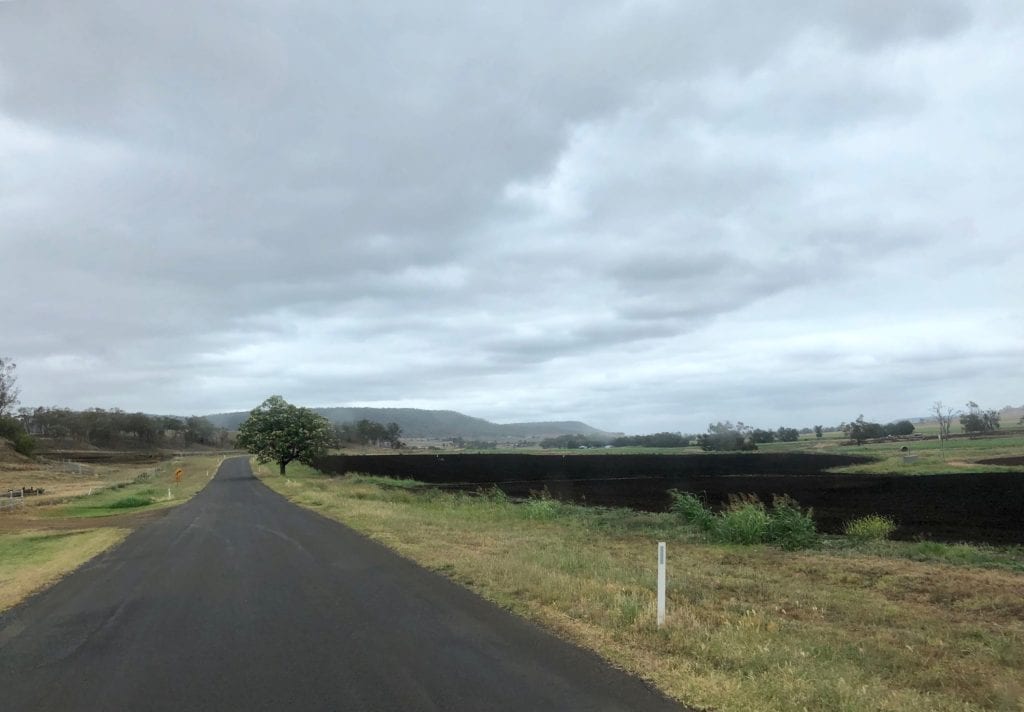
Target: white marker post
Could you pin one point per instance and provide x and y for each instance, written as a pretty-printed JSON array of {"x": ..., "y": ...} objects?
[{"x": 661, "y": 584}]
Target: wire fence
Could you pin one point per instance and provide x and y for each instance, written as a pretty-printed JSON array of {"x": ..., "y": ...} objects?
[
  {"x": 71, "y": 467},
  {"x": 12, "y": 499}
]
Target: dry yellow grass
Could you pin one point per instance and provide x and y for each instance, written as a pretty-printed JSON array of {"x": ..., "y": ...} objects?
[
  {"x": 63, "y": 483},
  {"x": 33, "y": 560},
  {"x": 749, "y": 628}
]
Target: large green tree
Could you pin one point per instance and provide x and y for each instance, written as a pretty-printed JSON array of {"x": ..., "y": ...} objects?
[{"x": 280, "y": 432}]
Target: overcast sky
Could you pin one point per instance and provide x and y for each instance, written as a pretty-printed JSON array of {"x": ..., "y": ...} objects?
[{"x": 647, "y": 215}]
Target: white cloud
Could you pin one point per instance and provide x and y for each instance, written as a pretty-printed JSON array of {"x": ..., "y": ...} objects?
[{"x": 646, "y": 215}]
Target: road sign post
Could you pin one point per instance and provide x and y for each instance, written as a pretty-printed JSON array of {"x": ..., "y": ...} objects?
[{"x": 661, "y": 584}]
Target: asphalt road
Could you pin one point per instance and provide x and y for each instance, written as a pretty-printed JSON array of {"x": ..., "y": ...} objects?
[{"x": 239, "y": 600}]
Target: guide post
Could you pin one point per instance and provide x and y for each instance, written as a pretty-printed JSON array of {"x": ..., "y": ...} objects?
[{"x": 661, "y": 584}]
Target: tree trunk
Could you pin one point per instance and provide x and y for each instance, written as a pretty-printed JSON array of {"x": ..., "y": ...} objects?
[{"x": 283, "y": 465}]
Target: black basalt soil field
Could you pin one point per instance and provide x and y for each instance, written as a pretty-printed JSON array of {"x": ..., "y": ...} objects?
[
  {"x": 487, "y": 469},
  {"x": 957, "y": 507}
]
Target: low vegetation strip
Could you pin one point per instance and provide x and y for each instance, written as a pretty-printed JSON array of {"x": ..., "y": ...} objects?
[
  {"x": 32, "y": 560},
  {"x": 852, "y": 626}
]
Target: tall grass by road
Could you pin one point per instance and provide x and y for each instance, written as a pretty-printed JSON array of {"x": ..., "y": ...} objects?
[{"x": 846, "y": 627}]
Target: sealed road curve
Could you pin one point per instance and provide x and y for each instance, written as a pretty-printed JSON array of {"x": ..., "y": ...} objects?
[{"x": 239, "y": 600}]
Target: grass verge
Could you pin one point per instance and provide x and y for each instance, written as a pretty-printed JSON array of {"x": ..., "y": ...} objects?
[
  {"x": 847, "y": 627},
  {"x": 33, "y": 560}
]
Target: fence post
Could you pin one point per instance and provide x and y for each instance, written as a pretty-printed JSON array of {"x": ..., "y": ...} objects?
[{"x": 661, "y": 584}]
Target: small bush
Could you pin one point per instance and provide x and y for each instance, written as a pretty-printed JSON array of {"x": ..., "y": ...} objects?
[
  {"x": 10, "y": 427},
  {"x": 791, "y": 527},
  {"x": 13, "y": 430},
  {"x": 871, "y": 528},
  {"x": 25, "y": 444},
  {"x": 542, "y": 506},
  {"x": 692, "y": 510},
  {"x": 130, "y": 502},
  {"x": 745, "y": 521},
  {"x": 495, "y": 494}
]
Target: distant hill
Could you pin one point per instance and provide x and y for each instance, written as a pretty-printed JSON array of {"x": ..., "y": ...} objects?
[{"x": 438, "y": 424}]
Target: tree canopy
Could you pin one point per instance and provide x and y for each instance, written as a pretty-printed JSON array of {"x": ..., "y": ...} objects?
[
  {"x": 369, "y": 432},
  {"x": 8, "y": 387},
  {"x": 726, "y": 436},
  {"x": 861, "y": 430},
  {"x": 280, "y": 432},
  {"x": 977, "y": 421}
]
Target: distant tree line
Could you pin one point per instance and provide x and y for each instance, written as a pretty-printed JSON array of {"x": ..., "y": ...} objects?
[
  {"x": 116, "y": 428},
  {"x": 782, "y": 435},
  {"x": 460, "y": 442},
  {"x": 726, "y": 436},
  {"x": 653, "y": 440},
  {"x": 570, "y": 442},
  {"x": 369, "y": 432},
  {"x": 860, "y": 430}
]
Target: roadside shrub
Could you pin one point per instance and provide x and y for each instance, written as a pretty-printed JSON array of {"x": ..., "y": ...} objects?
[
  {"x": 748, "y": 521},
  {"x": 495, "y": 494},
  {"x": 10, "y": 427},
  {"x": 871, "y": 528},
  {"x": 130, "y": 502},
  {"x": 541, "y": 506},
  {"x": 692, "y": 510},
  {"x": 791, "y": 527},
  {"x": 24, "y": 444},
  {"x": 13, "y": 430},
  {"x": 745, "y": 521}
]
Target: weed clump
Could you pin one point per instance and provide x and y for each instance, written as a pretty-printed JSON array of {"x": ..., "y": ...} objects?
[
  {"x": 748, "y": 521},
  {"x": 542, "y": 506},
  {"x": 692, "y": 510},
  {"x": 791, "y": 527},
  {"x": 744, "y": 521},
  {"x": 871, "y": 528}
]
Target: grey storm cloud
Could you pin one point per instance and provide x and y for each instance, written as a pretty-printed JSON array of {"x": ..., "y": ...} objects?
[{"x": 643, "y": 214}]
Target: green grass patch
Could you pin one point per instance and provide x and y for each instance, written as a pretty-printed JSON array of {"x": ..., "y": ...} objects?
[
  {"x": 873, "y": 527},
  {"x": 131, "y": 502},
  {"x": 31, "y": 560}
]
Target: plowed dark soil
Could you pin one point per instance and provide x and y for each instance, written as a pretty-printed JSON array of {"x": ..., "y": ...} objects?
[{"x": 985, "y": 508}]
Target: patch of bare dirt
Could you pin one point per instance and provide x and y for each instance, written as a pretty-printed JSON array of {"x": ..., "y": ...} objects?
[{"x": 1008, "y": 461}]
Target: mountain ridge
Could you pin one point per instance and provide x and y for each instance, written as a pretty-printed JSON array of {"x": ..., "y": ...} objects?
[{"x": 438, "y": 424}]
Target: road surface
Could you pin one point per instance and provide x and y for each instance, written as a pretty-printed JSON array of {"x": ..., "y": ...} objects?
[{"x": 239, "y": 600}]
